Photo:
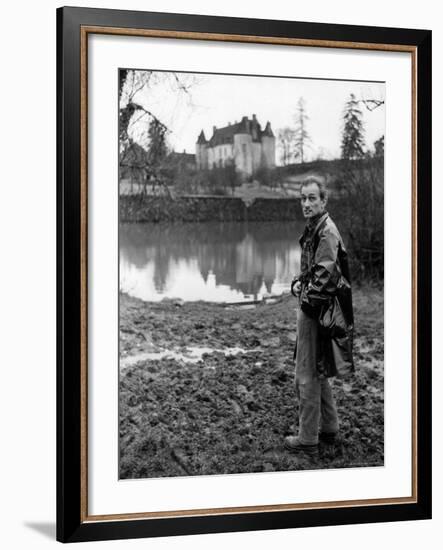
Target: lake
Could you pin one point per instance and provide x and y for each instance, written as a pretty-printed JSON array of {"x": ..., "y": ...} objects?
[{"x": 217, "y": 262}]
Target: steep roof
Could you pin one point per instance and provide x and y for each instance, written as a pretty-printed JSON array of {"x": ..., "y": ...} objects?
[
  {"x": 202, "y": 138},
  {"x": 268, "y": 130},
  {"x": 178, "y": 158},
  {"x": 226, "y": 134}
]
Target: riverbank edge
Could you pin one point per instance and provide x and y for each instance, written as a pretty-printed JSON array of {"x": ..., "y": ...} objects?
[
  {"x": 196, "y": 208},
  {"x": 229, "y": 414}
]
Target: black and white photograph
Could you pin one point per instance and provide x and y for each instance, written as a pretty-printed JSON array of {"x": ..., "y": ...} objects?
[
  {"x": 219, "y": 317},
  {"x": 251, "y": 273}
]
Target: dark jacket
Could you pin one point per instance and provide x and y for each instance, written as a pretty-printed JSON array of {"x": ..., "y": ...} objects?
[{"x": 326, "y": 294}]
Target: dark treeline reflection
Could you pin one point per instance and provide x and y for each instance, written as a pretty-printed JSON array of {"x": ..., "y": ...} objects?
[{"x": 208, "y": 261}]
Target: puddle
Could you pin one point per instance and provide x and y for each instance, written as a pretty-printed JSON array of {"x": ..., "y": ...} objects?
[{"x": 190, "y": 355}]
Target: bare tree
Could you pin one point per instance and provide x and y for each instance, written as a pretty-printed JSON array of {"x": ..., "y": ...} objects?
[
  {"x": 302, "y": 138},
  {"x": 361, "y": 203},
  {"x": 372, "y": 104},
  {"x": 130, "y": 84},
  {"x": 286, "y": 140},
  {"x": 137, "y": 121}
]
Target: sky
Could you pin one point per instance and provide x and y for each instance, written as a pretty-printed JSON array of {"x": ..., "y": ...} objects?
[{"x": 217, "y": 100}]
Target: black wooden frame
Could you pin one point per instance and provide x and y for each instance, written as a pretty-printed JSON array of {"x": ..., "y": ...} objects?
[{"x": 70, "y": 525}]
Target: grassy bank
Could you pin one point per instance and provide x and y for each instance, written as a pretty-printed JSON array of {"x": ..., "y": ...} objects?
[{"x": 229, "y": 411}]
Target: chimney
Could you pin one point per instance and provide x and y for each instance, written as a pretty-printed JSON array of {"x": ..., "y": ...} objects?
[
  {"x": 254, "y": 118},
  {"x": 214, "y": 128}
]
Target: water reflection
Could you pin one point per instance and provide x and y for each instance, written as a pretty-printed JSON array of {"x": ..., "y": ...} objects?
[{"x": 215, "y": 262}]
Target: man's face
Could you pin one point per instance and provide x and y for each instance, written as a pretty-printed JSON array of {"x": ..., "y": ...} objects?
[{"x": 311, "y": 202}]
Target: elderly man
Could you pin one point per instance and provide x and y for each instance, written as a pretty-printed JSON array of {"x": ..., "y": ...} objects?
[{"x": 324, "y": 322}]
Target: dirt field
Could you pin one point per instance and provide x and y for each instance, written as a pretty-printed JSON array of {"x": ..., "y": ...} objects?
[{"x": 208, "y": 389}]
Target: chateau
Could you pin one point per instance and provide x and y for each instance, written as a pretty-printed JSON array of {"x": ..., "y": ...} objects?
[{"x": 243, "y": 144}]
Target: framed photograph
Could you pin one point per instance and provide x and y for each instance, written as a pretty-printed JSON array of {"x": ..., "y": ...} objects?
[{"x": 244, "y": 274}]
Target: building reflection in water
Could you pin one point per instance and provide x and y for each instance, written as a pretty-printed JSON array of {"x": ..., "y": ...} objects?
[{"x": 217, "y": 262}]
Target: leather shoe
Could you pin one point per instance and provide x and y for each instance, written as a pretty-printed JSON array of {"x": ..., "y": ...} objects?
[{"x": 293, "y": 444}]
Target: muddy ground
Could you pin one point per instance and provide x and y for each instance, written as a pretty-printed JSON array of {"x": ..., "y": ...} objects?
[{"x": 186, "y": 409}]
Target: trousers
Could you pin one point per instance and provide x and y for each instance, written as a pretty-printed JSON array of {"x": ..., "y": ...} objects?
[{"x": 316, "y": 405}]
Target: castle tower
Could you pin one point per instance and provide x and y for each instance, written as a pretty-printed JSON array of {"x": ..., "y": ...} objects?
[
  {"x": 243, "y": 147},
  {"x": 243, "y": 144},
  {"x": 201, "y": 151},
  {"x": 268, "y": 146}
]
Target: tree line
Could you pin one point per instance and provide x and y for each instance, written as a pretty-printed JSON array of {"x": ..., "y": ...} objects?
[
  {"x": 356, "y": 180},
  {"x": 295, "y": 141}
]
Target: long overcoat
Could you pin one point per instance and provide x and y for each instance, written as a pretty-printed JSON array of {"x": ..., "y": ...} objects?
[{"x": 326, "y": 295}]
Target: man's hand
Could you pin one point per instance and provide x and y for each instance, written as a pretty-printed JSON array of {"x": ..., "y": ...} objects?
[{"x": 296, "y": 288}]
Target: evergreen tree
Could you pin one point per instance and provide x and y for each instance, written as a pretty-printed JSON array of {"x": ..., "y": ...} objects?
[
  {"x": 302, "y": 137},
  {"x": 352, "y": 144},
  {"x": 157, "y": 149},
  {"x": 379, "y": 147}
]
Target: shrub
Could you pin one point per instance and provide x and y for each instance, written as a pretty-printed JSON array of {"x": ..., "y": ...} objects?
[{"x": 358, "y": 203}]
